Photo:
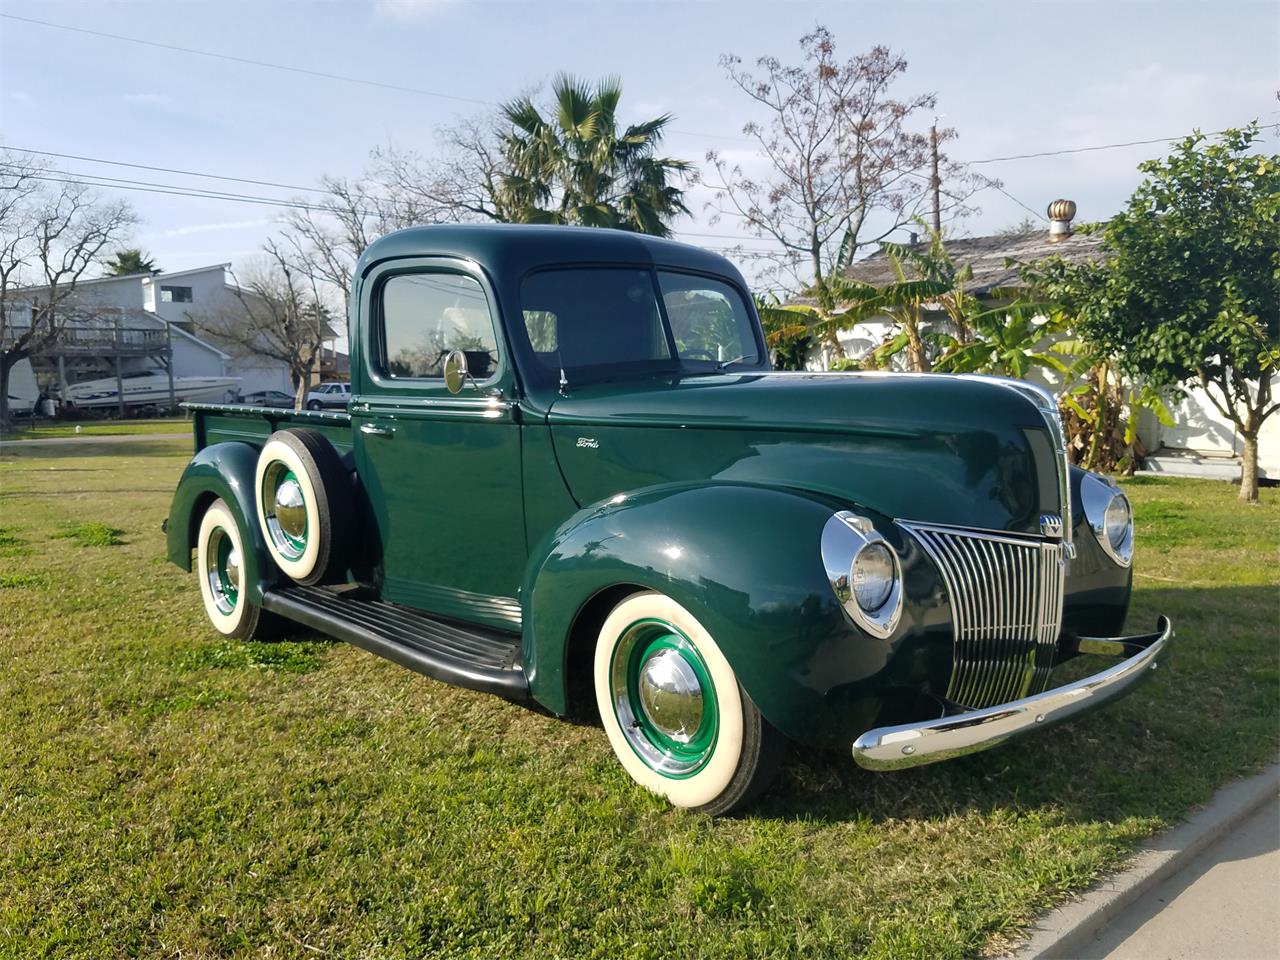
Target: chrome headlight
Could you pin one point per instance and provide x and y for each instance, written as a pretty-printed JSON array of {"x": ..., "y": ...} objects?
[
  {"x": 864, "y": 572},
  {"x": 1107, "y": 510}
]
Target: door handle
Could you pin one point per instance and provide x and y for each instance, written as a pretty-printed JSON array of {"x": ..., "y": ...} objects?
[{"x": 373, "y": 430}]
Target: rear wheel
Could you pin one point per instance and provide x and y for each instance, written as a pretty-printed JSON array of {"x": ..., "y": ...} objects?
[
  {"x": 220, "y": 554},
  {"x": 304, "y": 504},
  {"x": 675, "y": 714},
  {"x": 313, "y": 405}
]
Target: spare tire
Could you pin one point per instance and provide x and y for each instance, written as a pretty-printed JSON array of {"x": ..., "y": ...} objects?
[{"x": 303, "y": 494}]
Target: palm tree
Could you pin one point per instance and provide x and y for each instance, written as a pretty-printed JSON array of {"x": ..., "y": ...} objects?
[
  {"x": 577, "y": 167},
  {"x": 130, "y": 261}
]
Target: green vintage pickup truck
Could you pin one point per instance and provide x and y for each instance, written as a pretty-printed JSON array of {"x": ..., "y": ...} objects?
[{"x": 568, "y": 476}]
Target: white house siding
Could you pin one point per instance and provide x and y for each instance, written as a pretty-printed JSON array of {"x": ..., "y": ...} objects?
[
  {"x": 196, "y": 353},
  {"x": 1199, "y": 427}
]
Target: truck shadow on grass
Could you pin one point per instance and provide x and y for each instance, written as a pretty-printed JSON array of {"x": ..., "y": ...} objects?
[{"x": 1209, "y": 715}]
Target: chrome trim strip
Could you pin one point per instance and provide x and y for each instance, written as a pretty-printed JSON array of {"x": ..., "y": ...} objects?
[
  {"x": 928, "y": 741},
  {"x": 283, "y": 413}
]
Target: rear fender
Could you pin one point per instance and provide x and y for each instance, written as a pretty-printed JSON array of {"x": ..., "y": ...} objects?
[
  {"x": 226, "y": 471},
  {"x": 745, "y": 560}
]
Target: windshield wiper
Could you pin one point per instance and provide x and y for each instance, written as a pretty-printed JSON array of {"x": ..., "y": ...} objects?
[{"x": 721, "y": 365}]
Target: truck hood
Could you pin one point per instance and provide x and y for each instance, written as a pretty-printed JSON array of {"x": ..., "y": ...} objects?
[{"x": 930, "y": 448}]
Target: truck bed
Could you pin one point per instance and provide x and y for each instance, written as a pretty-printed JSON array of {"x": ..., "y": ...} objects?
[{"x": 221, "y": 422}]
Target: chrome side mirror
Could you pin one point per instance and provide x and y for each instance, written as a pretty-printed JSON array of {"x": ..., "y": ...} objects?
[{"x": 455, "y": 371}]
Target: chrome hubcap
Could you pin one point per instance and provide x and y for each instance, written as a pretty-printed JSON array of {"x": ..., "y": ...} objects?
[
  {"x": 291, "y": 509},
  {"x": 222, "y": 561},
  {"x": 285, "y": 510},
  {"x": 671, "y": 695},
  {"x": 663, "y": 698}
]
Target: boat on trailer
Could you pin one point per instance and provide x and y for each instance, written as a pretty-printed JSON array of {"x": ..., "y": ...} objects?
[{"x": 147, "y": 388}]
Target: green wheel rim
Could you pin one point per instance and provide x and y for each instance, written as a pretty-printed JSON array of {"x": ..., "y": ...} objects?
[
  {"x": 676, "y": 755},
  {"x": 285, "y": 509},
  {"x": 223, "y": 564}
]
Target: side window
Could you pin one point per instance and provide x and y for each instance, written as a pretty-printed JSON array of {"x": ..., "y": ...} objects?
[
  {"x": 426, "y": 316},
  {"x": 708, "y": 319}
]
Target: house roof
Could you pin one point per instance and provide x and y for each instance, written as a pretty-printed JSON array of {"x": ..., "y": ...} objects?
[
  {"x": 145, "y": 277},
  {"x": 170, "y": 274},
  {"x": 988, "y": 255}
]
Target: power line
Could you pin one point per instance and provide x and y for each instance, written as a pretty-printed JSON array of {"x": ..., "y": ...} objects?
[
  {"x": 177, "y": 190},
  {"x": 184, "y": 173},
  {"x": 489, "y": 103},
  {"x": 256, "y": 63},
  {"x": 1101, "y": 146}
]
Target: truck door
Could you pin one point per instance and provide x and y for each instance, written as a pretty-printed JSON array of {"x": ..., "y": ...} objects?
[{"x": 441, "y": 470}]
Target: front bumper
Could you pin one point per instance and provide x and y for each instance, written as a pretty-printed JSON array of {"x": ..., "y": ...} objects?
[{"x": 928, "y": 741}]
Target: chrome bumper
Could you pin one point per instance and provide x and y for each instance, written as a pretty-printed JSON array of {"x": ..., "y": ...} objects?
[{"x": 912, "y": 744}]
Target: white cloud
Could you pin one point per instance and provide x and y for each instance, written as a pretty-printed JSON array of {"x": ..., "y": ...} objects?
[
  {"x": 148, "y": 98},
  {"x": 405, "y": 11},
  {"x": 17, "y": 96},
  {"x": 206, "y": 228}
]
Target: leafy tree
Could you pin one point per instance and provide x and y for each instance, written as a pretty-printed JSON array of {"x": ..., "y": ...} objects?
[
  {"x": 130, "y": 260},
  {"x": 787, "y": 331},
  {"x": 575, "y": 166},
  {"x": 1188, "y": 290}
]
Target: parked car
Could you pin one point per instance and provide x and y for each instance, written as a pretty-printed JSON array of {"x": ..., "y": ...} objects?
[
  {"x": 568, "y": 475},
  {"x": 329, "y": 395},
  {"x": 268, "y": 398}
]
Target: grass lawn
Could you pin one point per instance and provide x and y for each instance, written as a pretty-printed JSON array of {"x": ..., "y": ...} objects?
[
  {"x": 164, "y": 792},
  {"x": 40, "y": 430}
]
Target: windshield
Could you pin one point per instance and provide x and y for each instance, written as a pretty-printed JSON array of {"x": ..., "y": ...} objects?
[{"x": 604, "y": 321}]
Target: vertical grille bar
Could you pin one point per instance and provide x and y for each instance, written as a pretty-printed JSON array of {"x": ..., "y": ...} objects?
[{"x": 1006, "y": 610}]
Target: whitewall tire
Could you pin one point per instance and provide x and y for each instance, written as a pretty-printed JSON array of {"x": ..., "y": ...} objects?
[
  {"x": 677, "y": 718},
  {"x": 302, "y": 494},
  {"x": 220, "y": 556}
]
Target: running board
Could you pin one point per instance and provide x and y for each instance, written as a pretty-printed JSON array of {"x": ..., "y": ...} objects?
[{"x": 465, "y": 656}]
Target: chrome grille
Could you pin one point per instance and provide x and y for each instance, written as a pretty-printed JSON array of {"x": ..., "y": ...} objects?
[{"x": 1006, "y": 610}]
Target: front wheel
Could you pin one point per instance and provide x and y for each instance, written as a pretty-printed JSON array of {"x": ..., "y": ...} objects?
[{"x": 675, "y": 714}]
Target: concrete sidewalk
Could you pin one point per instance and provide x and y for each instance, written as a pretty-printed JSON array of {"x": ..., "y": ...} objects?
[
  {"x": 1224, "y": 903},
  {"x": 1210, "y": 887}
]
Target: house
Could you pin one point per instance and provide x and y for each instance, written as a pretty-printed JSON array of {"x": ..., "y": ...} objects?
[
  {"x": 177, "y": 301},
  {"x": 1202, "y": 442}
]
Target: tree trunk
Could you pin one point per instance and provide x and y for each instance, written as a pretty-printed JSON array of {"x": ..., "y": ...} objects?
[
  {"x": 916, "y": 350},
  {"x": 4, "y": 391},
  {"x": 1249, "y": 467}
]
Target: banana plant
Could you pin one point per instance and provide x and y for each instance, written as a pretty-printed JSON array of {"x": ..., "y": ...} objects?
[{"x": 1101, "y": 412}]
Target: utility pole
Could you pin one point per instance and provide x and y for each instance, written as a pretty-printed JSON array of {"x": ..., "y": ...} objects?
[{"x": 935, "y": 182}]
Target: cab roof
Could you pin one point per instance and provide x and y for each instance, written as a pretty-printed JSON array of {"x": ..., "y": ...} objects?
[{"x": 511, "y": 250}]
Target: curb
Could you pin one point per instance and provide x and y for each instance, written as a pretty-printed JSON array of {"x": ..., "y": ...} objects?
[{"x": 1068, "y": 928}]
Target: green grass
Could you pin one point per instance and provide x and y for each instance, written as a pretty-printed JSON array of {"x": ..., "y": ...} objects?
[
  {"x": 91, "y": 533},
  {"x": 99, "y": 428},
  {"x": 166, "y": 792}
]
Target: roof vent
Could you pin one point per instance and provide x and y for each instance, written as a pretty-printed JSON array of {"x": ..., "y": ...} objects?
[{"x": 1061, "y": 213}]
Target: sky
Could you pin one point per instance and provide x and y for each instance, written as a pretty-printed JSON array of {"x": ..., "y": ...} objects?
[{"x": 1010, "y": 77}]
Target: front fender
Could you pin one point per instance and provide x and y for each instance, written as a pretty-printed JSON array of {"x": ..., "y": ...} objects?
[
  {"x": 226, "y": 471},
  {"x": 745, "y": 560}
]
